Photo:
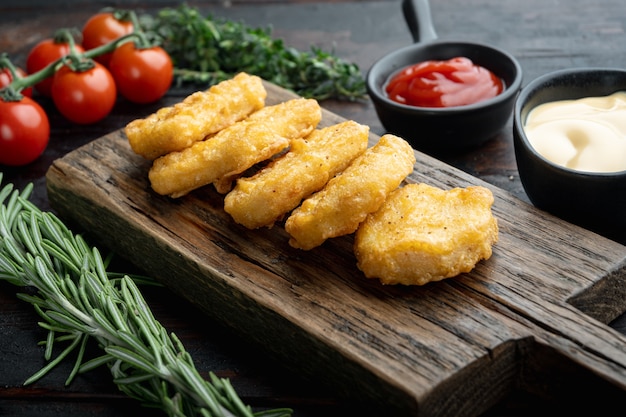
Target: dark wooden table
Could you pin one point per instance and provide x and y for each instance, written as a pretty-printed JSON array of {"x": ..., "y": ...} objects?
[{"x": 543, "y": 35}]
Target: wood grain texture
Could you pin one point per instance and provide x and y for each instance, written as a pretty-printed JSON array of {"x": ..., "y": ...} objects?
[{"x": 451, "y": 348}]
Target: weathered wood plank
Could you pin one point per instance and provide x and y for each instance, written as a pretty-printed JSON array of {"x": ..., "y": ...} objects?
[{"x": 449, "y": 348}]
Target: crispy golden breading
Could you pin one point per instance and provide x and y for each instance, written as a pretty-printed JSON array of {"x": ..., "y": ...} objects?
[
  {"x": 340, "y": 144},
  {"x": 234, "y": 149},
  {"x": 201, "y": 114},
  {"x": 423, "y": 233},
  {"x": 348, "y": 198},
  {"x": 268, "y": 195}
]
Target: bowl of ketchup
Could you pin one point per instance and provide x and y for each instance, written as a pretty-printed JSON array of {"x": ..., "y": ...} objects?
[{"x": 443, "y": 97}]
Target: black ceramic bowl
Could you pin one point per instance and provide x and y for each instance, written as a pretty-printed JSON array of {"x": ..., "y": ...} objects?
[
  {"x": 596, "y": 201},
  {"x": 451, "y": 129}
]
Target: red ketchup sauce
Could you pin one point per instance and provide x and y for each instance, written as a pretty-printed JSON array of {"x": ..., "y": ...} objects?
[{"x": 455, "y": 82}]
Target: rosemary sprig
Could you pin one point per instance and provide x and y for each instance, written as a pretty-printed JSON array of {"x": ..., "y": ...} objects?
[
  {"x": 208, "y": 50},
  {"x": 78, "y": 299}
]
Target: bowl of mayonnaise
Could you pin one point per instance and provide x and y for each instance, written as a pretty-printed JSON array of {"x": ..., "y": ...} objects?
[{"x": 569, "y": 130}]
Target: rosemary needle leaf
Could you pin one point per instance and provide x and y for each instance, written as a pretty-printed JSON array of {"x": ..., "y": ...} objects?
[
  {"x": 227, "y": 389},
  {"x": 278, "y": 412},
  {"x": 134, "y": 343},
  {"x": 134, "y": 379},
  {"x": 69, "y": 322},
  {"x": 8, "y": 269},
  {"x": 119, "y": 319},
  {"x": 52, "y": 328},
  {"x": 132, "y": 358},
  {"x": 50, "y": 365},
  {"x": 131, "y": 295},
  {"x": 49, "y": 345},
  {"x": 13, "y": 208},
  {"x": 193, "y": 379},
  {"x": 59, "y": 255},
  {"x": 79, "y": 358},
  {"x": 28, "y": 239},
  {"x": 63, "y": 338},
  {"x": 15, "y": 257},
  {"x": 103, "y": 322},
  {"x": 94, "y": 363}
]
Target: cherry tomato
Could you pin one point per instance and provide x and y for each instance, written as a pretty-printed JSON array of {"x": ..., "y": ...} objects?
[
  {"x": 24, "y": 131},
  {"x": 141, "y": 75},
  {"x": 6, "y": 78},
  {"x": 44, "y": 53},
  {"x": 84, "y": 96},
  {"x": 103, "y": 28}
]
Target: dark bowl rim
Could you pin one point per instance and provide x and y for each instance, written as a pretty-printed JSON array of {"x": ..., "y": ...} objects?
[
  {"x": 531, "y": 88},
  {"x": 509, "y": 91}
]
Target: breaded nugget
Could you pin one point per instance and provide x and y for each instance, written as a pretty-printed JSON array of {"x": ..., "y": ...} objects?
[
  {"x": 348, "y": 198},
  {"x": 268, "y": 195},
  {"x": 234, "y": 149},
  {"x": 279, "y": 117},
  {"x": 201, "y": 114},
  {"x": 423, "y": 233}
]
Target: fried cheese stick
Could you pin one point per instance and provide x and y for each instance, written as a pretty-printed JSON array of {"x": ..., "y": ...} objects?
[
  {"x": 348, "y": 198},
  {"x": 234, "y": 149},
  {"x": 203, "y": 113},
  {"x": 423, "y": 234},
  {"x": 275, "y": 190}
]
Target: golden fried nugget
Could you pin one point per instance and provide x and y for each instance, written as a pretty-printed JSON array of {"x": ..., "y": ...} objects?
[
  {"x": 201, "y": 114},
  {"x": 423, "y": 233},
  {"x": 279, "y": 118},
  {"x": 348, "y": 198},
  {"x": 234, "y": 149},
  {"x": 268, "y": 195}
]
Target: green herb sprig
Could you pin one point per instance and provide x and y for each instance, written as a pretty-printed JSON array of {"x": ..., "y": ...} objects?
[
  {"x": 208, "y": 50},
  {"x": 78, "y": 299}
]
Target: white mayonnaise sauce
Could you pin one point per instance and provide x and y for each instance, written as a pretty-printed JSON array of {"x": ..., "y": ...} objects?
[{"x": 587, "y": 134}]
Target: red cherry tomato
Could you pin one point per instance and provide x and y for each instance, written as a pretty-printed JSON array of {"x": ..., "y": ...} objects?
[
  {"x": 141, "y": 75},
  {"x": 84, "y": 97},
  {"x": 103, "y": 28},
  {"x": 455, "y": 82},
  {"x": 44, "y": 53},
  {"x": 24, "y": 131},
  {"x": 6, "y": 77}
]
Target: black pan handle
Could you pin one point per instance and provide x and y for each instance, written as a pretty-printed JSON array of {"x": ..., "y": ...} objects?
[{"x": 418, "y": 18}]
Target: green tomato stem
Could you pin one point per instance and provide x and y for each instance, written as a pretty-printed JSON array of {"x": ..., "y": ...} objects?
[
  {"x": 9, "y": 94},
  {"x": 142, "y": 41},
  {"x": 5, "y": 62},
  {"x": 76, "y": 60}
]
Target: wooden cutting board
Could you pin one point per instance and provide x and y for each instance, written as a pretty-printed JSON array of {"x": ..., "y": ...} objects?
[{"x": 531, "y": 318}]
